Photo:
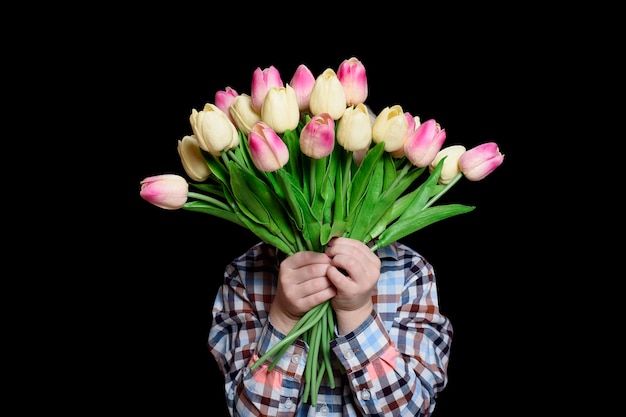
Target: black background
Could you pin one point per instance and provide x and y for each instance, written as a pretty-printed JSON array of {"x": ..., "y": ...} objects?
[{"x": 166, "y": 266}]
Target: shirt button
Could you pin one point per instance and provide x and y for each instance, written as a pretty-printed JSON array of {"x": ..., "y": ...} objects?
[
  {"x": 324, "y": 410},
  {"x": 365, "y": 395},
  {"x": 348, "y": 354},
  {"x": 295, "y": 359},
  {"x": 288, "y": 404}
]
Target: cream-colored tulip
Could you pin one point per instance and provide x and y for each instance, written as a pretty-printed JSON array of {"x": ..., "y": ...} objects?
[
  {"x": 354, "y": 129},
  {"x": 213, "y": 129},
  {"x": 328, "y": 95},
  {"x": 244, "y": 114},
  {"x": 280, "y": 109},
  {"x": 390, "y": 127},
  {"x": 450, "y": 167},
  {"x": 193, "y": 162}
]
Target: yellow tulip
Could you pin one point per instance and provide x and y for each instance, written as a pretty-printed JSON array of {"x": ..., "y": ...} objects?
[
  {"x": 450, "y": 165},
  {"x": 193, "y": 162},
  {"x": 280, "y": 109},
  {"x": 328, "y": 95},
  {"x": 213, "y": 130},
  {"x": 244, "y": 114},
  {"x": 354, "y": 129},
  {"x": 391, "y": 127}
]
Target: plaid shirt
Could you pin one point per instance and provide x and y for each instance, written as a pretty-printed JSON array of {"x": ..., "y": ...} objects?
[{"x": 395, "y": 363}]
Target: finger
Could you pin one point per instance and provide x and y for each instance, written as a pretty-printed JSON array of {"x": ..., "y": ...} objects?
[
  {"x": 302, "y": 258},
  {"x": 319, "y": 296},
  {"x": 339, "y": 277}
]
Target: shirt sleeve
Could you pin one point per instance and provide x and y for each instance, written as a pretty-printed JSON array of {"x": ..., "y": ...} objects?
[
  {"x": 399, "y": 363},
  {"x": 241, "y": 333}
]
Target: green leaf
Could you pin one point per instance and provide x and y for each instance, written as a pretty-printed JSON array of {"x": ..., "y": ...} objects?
[
  {"x": 242, "y": 153},
  {"x": 407, "y": 225},
  {"x": 392, "y": 213},
  {"x": 322, "y": 181},
  {"x": 338, "y": 228},
  {"x": 363, "y": 175},
  {"x": 260, "y": 203},
  {"x": 269, "y": 236},
  {"x": 218, "y": 170},
  {"x": 300, "y": 209},
  {"x": 389, "y": 170},
  {"x": 334, "y": 185},
  {"x": 370, "y": 207},
  {"x": 293, "y": 166}
]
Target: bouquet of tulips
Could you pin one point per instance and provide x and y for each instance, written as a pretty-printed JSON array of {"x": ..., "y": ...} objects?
[{"x": 301, "y": 162}]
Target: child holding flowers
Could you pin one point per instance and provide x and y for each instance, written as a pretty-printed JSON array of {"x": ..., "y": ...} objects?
[
  {"x": 391, "y": 345},
  {"x": 329, "y": 313}
]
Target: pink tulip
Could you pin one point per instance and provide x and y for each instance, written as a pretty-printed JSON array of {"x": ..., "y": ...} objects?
[
  {"x": 224, "y": 99},
  {"x": 351, "y": 74},
  {"x": 317, "y": 138},
  {"x": 268, "y": 151},
  {"x": 167, "y": 191},
  {"x": 262, "y": 81},
  {"x": 422, "y": 145},
  {"x": 480, "y": 161},
  {"x": 302, "y": 82}
]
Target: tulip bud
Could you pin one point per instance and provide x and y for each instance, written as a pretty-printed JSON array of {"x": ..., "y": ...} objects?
[
  {"x": 390, "y": 127},
  {"x": 280, "y": 109},
  {"x": 244, "y": 114},
  {"x": 351, "y": 74},
  {"x": 412, "y": 124},
  {"x": 193, "y": 161},
  {"x": 359, "y": 156},
  {"x": 213, "y": 130},
  {"x": 328, "y": 95},
  {"x": 224, "y": 99},
  {"x": 480, "y": 161},
  {"x": 422, "y": 145},
  {"x": 354, "y": 129},
  {"x": 167, "y": 191},
  {"x": 450, "y": 167},
  {"x": 267, "y": 150},
  {"x": 302, "y": 82},
  {"x": 317, "y": 138},
  {"x": 262, "y": 82}
]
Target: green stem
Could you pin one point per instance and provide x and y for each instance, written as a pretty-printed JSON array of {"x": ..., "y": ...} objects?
[
  {"x": 311, "y": 318},
  {"x": 210, "y": 200},
  {"x": 330, "y": 328},
  {"x": 442, "y": 192},
  {"x": 346, "y": 173},
  {"x": 312, "y": 182},
  {"x": 234, "y": 157},
  {"x": 405, "y": 168}
]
